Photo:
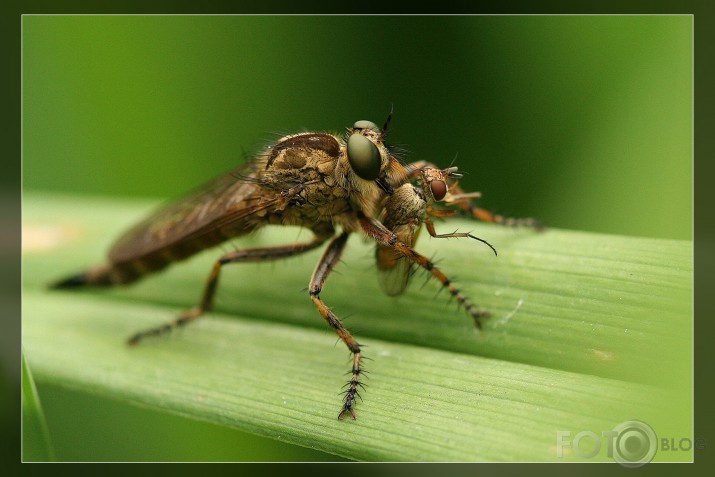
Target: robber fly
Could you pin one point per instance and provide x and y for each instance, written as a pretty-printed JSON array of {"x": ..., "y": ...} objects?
[{"x": 318, "y": 181}]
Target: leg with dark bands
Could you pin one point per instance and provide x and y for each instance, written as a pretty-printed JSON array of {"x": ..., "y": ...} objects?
[
  {"x": 385, "y": 237},
  {"x": 237, "y": 256},
  {"x": 327, "y": 262}
]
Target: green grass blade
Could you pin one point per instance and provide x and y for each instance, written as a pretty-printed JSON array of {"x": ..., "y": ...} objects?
[
  {"x": 588, "y": 330},
  {"x": 36, "y": 443}
]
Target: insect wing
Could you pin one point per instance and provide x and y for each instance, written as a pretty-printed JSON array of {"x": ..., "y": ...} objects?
[
  {"x": 394, "y": 269},
  {"x": 228, "y": 198}
]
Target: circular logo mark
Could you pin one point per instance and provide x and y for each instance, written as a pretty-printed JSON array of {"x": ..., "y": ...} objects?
[{"x": 635, "y": 443}]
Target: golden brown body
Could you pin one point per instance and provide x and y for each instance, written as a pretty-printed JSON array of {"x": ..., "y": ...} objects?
[
  {"x": 318, "y": 181},
  {"x": 303, "y": 180}
]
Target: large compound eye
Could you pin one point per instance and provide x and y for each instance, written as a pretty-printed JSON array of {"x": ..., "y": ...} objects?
[
  {"x": 439, "y": 189},
  {"x": 364, "y": 157},
  {"x": 364, "y": 124}
]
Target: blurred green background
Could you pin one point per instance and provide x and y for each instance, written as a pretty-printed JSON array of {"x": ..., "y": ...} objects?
[{"x": 583, "y": 122}]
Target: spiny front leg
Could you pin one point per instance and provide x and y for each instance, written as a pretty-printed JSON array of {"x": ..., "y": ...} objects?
[
  {"x": 383, "y": 236},
  {"x": 247, "y": 255},
  {"x": 326, "y": 264},
  {"x": 463, "y": 200},
  {"x": 433, "y": 233}
]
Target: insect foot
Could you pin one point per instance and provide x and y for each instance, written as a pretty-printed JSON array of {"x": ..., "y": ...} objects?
[
  {"x": 331, "y": 185},
  {"x": 352, "y": 392}
]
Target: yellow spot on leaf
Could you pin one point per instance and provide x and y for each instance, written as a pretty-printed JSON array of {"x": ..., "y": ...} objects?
[{"x": 44, "y": 238}]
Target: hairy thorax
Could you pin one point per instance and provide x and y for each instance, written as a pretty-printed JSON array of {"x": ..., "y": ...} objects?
[{"x": 306, "y": 177}]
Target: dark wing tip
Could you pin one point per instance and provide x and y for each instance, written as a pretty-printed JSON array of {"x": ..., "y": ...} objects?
[{"x": 74, "y": 281}]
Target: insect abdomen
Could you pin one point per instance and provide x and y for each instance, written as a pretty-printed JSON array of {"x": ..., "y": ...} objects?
[
  {"x": 116, "y": 273},
  {"x": 129, "y": 271}
]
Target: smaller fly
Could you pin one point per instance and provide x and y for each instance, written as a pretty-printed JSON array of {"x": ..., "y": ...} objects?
[
  {"x": 333, "y": 185},
  {"x": 404, "y": 213}
]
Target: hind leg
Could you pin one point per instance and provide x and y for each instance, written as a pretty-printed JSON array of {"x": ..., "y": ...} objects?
[{"x": 238, "y": 256}]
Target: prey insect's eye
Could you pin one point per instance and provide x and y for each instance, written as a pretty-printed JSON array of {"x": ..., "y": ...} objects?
[
  {"x": 439, "y": 189},
  {"x": 364, "y": 124},
  {"x": 364, "y": 157}
]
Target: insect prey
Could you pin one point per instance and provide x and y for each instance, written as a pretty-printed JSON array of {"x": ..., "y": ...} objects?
[
  {"x": 404, "y": 213},
  {"x": 332, "y": 184}
]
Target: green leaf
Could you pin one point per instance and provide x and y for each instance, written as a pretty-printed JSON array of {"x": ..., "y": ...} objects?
[
  {"x": 36, "y": 443},
  {"x": 588, "y": 331}
]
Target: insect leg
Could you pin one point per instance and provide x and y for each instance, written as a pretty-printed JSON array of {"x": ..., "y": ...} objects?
[
  {"x": 463, "y": 200},
  {"x": 433, "y": 233},
  {"x": 326, "y": 264},
  {"x": 413, "y": 168},
  {"x": 383, "y": 236},
  {"x": 247, "y": 255},
  {"x": 489, "y": 216}
]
